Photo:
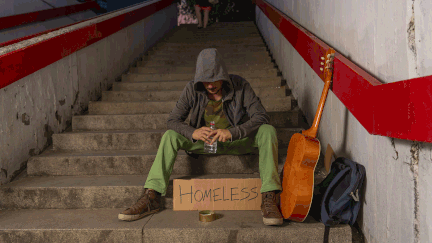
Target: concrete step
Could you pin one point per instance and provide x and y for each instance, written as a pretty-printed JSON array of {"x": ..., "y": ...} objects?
[
  {"x": 195, "y": 32},
  {"x": 68, "y": 225},
  {"x": 240, "y": 25},
  {"x": 134, "y": 75},
  {"x": 210, "y": 35},
  {"x": 102, "y": 225},
  {"x": 182, "y": 33},
  {"x": 211, "y": 44},
  {"x": 161, "y": 107},
  {"x": 263, "y": 55},
  {"x": 179, "y": 85},
  {"x": 235, "y": 226},
  {"x": 194, "y": 51},
  {"x": 192, "y": 62},
  {"x": 228, "y": 38},
  {"x": 199, "y": 47},
  {"x": 132, "y": 96},
  {"x": 153, "y": 86},
  {"x": 136, "y": 162},
  {"x": 215, "y": 40},
  {"x": 192, "y": 30},
  {"x": 191, "y": 69},
  {"x": 72, "y": 192},
  {"x": 221, "y": 25},
  {"x": 158, "y": 121},
  {"x": 129, "y": 140},
  {"x": 79, "y": 192}
]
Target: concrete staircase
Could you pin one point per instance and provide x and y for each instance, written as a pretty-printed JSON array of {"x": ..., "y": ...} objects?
[{"x": 74, "y": 191}]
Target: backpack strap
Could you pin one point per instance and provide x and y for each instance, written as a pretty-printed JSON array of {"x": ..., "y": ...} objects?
[{"x": 326, "y": 234}]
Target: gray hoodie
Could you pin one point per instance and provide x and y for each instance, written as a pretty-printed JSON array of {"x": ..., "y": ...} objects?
[{"x": 241, "y": 106}]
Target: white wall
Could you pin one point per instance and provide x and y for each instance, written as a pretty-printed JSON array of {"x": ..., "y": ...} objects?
[
  {"x": 14, "y": 7},
  {"x": 374, "y": 35},
  {"x": 43, "y": 103}
]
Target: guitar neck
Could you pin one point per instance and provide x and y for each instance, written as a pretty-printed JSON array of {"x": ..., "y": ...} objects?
[{"x": 312, "y": 132}]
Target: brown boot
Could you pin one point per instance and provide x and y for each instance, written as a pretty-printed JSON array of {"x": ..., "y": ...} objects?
[
  {"x": 147, "y": 204},
  {"x": 269, "y": 209}
]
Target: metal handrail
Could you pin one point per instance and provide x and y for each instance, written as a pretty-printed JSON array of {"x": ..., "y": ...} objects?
[{"x": 42, "y": 15}]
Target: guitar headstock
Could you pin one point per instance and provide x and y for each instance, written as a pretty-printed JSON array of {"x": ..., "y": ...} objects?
[
  {"x": 328, "y": 64},
  {"x": 328, "y": 75}
]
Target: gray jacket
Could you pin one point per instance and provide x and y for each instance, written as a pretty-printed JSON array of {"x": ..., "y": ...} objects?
[{"x": 241, "y": 106}]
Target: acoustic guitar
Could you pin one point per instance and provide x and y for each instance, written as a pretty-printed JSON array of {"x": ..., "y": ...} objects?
[{"x": 302, "y": 157}]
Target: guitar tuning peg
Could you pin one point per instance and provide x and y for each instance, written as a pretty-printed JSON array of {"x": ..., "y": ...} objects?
[
  {"x": 321, "y": 69},
  {"x": 322, "y": 58},
  {"x": 322, "y": 63},
  {"x": 328, "y": 55}
]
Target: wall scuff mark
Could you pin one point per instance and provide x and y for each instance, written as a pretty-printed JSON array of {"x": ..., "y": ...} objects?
[
  {"x": 394, "y": 147},
  {"x": 58, "y": 117},
  {"x": 414, "y": 165},
  {"x": 48, "y": 134},
  {"x": 411, "y": 34},
  {"x": 412, "y": 44},
  {"x": 25, "y": 119},
  {"x": 16, "y": 173},
  {"x": 3, "y": 176}
]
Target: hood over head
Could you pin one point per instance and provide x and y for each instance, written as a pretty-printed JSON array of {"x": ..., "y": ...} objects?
[{"x": 210, "y": 68}]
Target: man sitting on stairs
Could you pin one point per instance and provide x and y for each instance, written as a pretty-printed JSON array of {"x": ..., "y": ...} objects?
[{"x": 242, "y": 124}]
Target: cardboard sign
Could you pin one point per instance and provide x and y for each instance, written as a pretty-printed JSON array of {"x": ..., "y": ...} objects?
[{"x": 217, "y": 194}]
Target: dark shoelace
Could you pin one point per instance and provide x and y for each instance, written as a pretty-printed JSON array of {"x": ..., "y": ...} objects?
[
  {"x": 270, "y": 205},
  {"x": 145, "y": 199}
]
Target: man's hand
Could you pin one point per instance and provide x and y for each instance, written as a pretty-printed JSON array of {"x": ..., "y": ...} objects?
[
  {"x": 202, "y": 134},
  {"x": 221, "y": 135}
]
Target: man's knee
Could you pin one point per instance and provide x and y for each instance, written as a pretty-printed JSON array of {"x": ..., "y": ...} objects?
[
  {"x": 267, "y": 130},
  {"x": 266, "y": 134},
  {"x": 170, "y": 134},
  {"x": 171, "y": 138}
]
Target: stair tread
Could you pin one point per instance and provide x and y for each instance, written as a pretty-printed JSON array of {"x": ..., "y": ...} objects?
[
  {"x": 177, "y": 91},
  {"x": 89, "y": 225},
  {"x": 157, "y": 114},
  {"x": 190, "y": 76},
  {"x": 150, "y": 131},
  {"x": 139, "y": 162},
  {"x": 107, "y": 153},
  {"x": 106, "y": 218},
  {"x": 70, "y": 219},
  {"x": 113, "y": 131},
  {"x": 173, "y": 101},
  {"x": 187, "y": 80},
  {"x": 85, "y": 181}
]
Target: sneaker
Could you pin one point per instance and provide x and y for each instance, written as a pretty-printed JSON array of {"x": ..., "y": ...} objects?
[
  {"x": 149, "y": 203},
  {"x": 269, "y": 209}
]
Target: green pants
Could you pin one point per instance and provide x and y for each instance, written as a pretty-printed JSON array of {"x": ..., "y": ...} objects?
[{"x": 264, "y": 139}]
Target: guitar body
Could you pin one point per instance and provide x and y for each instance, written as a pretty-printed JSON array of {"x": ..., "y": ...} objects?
[{"x": 298, "y": 177}]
